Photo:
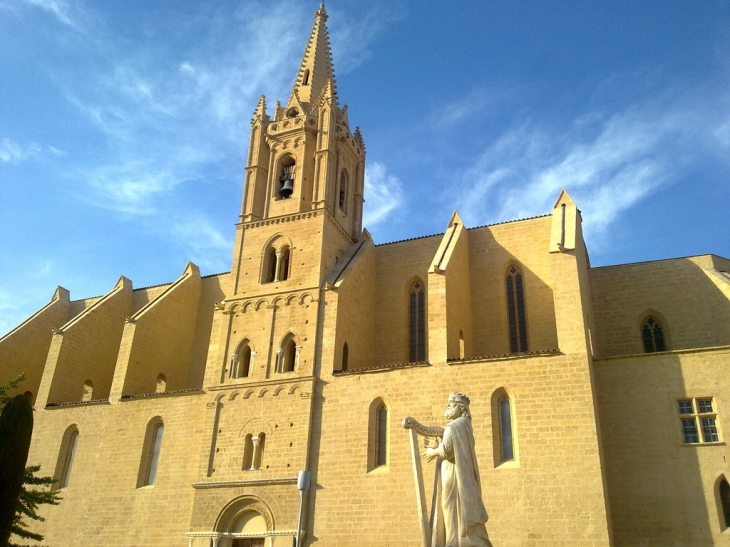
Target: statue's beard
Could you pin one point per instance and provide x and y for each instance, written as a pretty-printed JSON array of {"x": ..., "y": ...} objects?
[{"x": 451, "y": 414}]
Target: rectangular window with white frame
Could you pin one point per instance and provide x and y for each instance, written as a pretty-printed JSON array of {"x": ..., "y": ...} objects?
[{"x": 698, "y": 417}]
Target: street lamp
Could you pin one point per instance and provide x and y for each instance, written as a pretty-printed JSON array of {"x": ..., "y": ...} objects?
[{"x": 302, "y": 486}]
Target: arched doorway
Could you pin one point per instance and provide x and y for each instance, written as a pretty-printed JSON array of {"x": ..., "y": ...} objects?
[{"x": 252, "y": 526}]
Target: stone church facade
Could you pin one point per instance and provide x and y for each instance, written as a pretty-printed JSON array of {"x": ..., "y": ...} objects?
[{"x": 180, "y": 414}]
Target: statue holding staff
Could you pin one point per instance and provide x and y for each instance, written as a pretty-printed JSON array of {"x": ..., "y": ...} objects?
[{"x": 462, "y": 516}]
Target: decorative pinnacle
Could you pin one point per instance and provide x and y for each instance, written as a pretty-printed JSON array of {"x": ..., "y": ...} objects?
[{"x": 321, "y": 12}]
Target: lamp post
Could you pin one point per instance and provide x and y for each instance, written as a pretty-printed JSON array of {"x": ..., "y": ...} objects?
[{"x": 302, "y": 486}]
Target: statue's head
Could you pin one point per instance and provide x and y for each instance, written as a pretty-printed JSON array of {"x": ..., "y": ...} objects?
[{"x": 457, "y": 406}]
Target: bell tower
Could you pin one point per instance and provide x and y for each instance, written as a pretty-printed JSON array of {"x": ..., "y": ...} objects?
[
  {"x": 306, "y": 158},
  {"x": 304, "y": 179}
]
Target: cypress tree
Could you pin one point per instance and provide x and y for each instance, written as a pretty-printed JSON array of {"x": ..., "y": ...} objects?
[{"x": 16, "y": 427}]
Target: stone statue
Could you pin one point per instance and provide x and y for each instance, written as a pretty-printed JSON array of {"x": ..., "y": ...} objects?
[{"x": 461, "y": 519}]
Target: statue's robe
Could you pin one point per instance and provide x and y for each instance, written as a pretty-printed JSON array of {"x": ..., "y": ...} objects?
[{"x": 461, "y": 521}]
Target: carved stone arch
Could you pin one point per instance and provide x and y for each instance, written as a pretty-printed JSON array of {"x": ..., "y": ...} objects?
[
  {"x": 247, "y": 307},
  {"x": 285, "y": 145},
  {"x": 244, "y": 340},
  {"x": 293, "y": 389},
  {"x": 297, "y": 142},
  {"x": 292, "y": 299},
  {"x": 247, "y": 394},
  {"x": 256, "y": 425},
  {"x": 651, "y": 312},
  {"x": 277, "y": 240},
  {"x": 306, "y": 298},
  {"x": 219, "y": 397},
  {"x": 278, "y": 301},
  {"x": 262, "y": 392},
  {"x": 242, "y": 504},
  {"x": 233, "y": 395},
  {"x": 234, "y": 308},
  {"x": 278, "y": 390},
  {"x": 261, "y": 304}
]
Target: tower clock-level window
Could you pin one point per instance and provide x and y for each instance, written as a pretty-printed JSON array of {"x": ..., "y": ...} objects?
[
  {"x": 417, "y": 322},
  {"x": 699, "y": 420},
  {"x": 652, "y": 335},
  {"x": 516, "y": 310}
]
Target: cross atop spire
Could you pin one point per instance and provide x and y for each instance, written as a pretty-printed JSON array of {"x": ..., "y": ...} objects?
[{"x": 316, "y": 67}]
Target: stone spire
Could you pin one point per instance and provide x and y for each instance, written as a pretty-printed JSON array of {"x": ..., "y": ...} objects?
[{"x": 316, "y": 68}]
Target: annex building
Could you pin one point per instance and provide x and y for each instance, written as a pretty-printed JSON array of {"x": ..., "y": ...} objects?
[{"x": 180, "y": 414}]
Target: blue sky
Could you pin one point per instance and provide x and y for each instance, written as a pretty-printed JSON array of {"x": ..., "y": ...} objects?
[{"x": 123, "y": 125}]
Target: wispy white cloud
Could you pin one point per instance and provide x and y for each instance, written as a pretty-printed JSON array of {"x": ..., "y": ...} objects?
[
  {"x": 204, "y": 242},
  {"x": 608, "y": 163},
  {"x": 59, "y": 9},
  {"x": 352, "y": 38},
  {"x": 13, "y": 153},
  {"x": 384, "y": 194}
]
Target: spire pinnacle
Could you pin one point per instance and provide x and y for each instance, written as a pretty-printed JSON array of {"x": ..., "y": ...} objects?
[{"x": 316, "y": 67}]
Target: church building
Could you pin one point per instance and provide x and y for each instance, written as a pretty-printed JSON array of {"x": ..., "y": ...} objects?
[{"x": 181, "y": 414}]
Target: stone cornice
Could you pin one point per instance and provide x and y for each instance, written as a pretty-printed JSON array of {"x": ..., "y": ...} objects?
[
  {"x": 238, "y": 484},
  {"x": 718, "y": 349}
]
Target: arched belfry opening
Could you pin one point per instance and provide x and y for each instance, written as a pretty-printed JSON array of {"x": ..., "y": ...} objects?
[{"x": 286, "y": 177}]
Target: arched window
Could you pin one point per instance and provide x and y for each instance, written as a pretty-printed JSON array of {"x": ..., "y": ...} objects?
[
  {"x": 161, "y": 384},
  {"x": 652, "y": 335},
  {"x": 724, "y": 492},
  {"x": 284, "y": 261},
  {"x": 342, "y": 194},
  {"x": 66, "y": 457},
  {"x": 417, "y": 322},
  {"x": 241, "y": 361},
  {"x": 276, "y": 264},
  {"x": 288, "y": 354},
  {"x": 258, "y": 452},
  {"x": 345, "y": 356},
  {"x": 253, "y": 451},
  {"x": 270, "y": 266},
  {"x": 247, "y": 452},
  {"x": 286, "y": 177},
  {"x": 88, "y": 391},
  {"x": 151, "y": 452},
  {"x": 378, "y": 435},
  {"x": 505, "y": 429},
  {"x": 516, "y": 310}
]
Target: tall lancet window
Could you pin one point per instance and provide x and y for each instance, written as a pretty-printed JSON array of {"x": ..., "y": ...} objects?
[
  {"x": 516, "y": 310},
  {"x": 652, "y": 335},
  {"x": 417, "y": 322}
]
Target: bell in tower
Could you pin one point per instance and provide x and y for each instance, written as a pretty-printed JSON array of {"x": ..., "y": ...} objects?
[{"x": 286, "y": 180}]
